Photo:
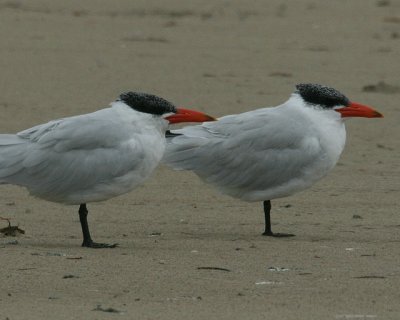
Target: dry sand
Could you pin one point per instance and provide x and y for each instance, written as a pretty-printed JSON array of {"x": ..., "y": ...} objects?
[{"x": 63, "y": 58}]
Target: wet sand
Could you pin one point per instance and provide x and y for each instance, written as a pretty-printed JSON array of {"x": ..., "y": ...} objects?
[{"x": 186, "y": 252}]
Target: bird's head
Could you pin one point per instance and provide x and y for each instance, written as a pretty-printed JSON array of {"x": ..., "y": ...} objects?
[
  {"x": 328, "y": 98},
  {"x": 156, "y": 106}
]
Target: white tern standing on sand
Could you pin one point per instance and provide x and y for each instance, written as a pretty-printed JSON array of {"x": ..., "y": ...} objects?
[
  {"x": 268, "y": 153},
  {"x": 92, "y": 157}
]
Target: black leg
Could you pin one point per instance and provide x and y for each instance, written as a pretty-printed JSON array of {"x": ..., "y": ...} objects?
[
  {"x": 268, "y": 230},
  {"x": 87, "y": 239}
]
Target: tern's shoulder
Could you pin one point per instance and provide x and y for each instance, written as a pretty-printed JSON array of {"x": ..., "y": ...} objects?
[
  {"x": 73, "y": 122},
  {"x": 274, "y": 128},
  {"x": 230, "y": 125},
  {"x": 92, "y": 130},
  {"x": 263, "y": 122}
]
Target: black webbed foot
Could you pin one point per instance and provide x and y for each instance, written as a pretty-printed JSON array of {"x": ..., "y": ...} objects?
[
  {"x": 87, "y": 239},
  {"x": 96, "y": 245},
  {"x": 277, "y": 235},
  {"x": 268, "y": 231}
]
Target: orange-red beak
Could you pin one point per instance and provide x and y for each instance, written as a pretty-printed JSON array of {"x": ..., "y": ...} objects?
[
  {"x": 355, "y": 109},
  {"x": 186, "y": 115}
]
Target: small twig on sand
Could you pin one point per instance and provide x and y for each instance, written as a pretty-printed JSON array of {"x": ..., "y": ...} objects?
[
  {"x": 213, "y": 268},
  {"x": 100, "y": 308}
]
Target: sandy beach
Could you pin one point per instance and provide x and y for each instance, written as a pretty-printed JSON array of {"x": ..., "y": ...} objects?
[{"x": 185, "y": 251}]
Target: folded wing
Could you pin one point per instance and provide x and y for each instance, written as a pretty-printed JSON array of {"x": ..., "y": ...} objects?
[
  {"x": 248, "y": 156},
  {"x": 86, "y": 153}
]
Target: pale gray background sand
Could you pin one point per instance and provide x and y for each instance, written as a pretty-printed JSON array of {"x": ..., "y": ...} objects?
[{"x": 65, "y": 58}]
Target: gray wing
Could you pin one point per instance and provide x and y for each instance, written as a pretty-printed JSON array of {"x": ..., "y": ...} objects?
[
  {"x": 79, "y": 151},
  {"x": 248, "y": 155}
]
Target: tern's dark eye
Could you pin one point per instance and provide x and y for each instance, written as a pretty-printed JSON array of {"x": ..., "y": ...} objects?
[
  {"x": 321, "y": 95},
  {"x": 147, "y": 103}
]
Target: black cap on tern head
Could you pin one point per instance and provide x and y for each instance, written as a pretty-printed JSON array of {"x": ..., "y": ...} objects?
[
  {"x": 147, "y": 103},
  {"x": 321, "y": 95}
]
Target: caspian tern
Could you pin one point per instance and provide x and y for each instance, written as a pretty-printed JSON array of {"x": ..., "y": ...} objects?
[
  {"x": 92, "y": 157},
  {"x": 268, "y": 153}
]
